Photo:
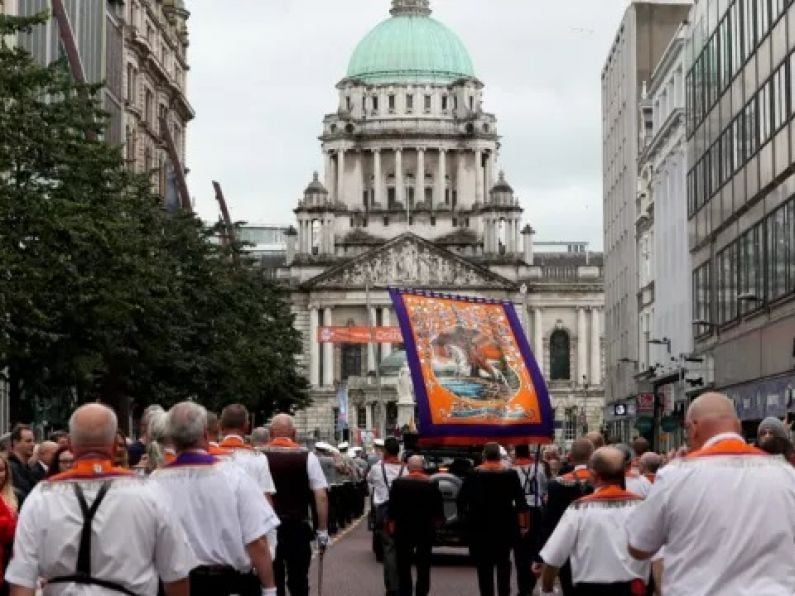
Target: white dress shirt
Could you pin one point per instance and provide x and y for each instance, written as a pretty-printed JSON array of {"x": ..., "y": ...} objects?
[
  {"x": 252, "y": 461},
  {"x": 134, "y": 541},
  {"x": 220, "y": 508},
  {"x": 375, "y": 478},
  {"x": 727, "y": 520},
  {"x": 591, "y": 533},
  {"x": 640, "y": 485}
]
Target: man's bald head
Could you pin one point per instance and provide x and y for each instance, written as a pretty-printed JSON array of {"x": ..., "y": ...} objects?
[
  {"x": 709, "y": 415},
  {"x": 650, "y": 462},
  {"x": 581, "y": 451},
  {"x": 92, "y": 429},
  {"x": 416, "y": 463},
  {"x": 596, "y": 439},
  {"x": 282, "y": 425},
  {"x": 640, "y": 446},
  {"x": 607, "y": 466}
]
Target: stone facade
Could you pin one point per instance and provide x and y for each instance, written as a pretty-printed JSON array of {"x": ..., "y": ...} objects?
[
  {"x": 412, "y": 196},
  {"x": 155, "y": 72}
]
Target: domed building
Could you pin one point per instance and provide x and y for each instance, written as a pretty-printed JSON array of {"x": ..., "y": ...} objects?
[{"x": 411, "y": 195}]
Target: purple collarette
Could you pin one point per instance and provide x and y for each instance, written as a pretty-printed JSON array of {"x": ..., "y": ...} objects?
[{"x": 193, "y": 458}]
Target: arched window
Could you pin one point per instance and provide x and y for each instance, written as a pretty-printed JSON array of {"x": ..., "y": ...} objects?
[
  {"x": 559, "y": 362},
  {"x": 316, "y": 236},
  {"x": 502, "y": 235}
]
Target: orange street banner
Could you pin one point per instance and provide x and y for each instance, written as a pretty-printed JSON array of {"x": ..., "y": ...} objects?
[
  {"x": 359, "y": 335},
  {"x": 475, "y": 378}
]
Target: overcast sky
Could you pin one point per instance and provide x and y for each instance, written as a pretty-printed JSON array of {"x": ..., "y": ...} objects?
[{"x": 263, "y": 74}]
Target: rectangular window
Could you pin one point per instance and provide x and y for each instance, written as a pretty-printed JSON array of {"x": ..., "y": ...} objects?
[
  {"x": 764, "y": 115},
  {"x": 751, "y": 269},
  {"x": 750, "y": 130},
  {"x": 726, "y": 155},
  {"x": 737, "y": 142},
  {"x": 689, "y": 101},
  {"x": 748, "y": 8},
  {"x": 428, "y": 103},
  {"x": 691, "y": 192},
  {"x": 386, "y": 222},
  {"x": 779, "y": 248},
  {"x": 702, "y": 295},
  {"x": 714, "y": 170},
  {"x": 433, "y": 220},
  {"x": 736, "y": 37},
  {"x": 780, "y": 107},
  {"x": 472, "y": 103},
  {"x": 444, "y": 103},
  {"x": 409, "y": 101},
  {"x": 727, "y": 284},
  {"x": 391, "y": 103},
  {"x": 348, "y": 103},
  {"x": 375, "y": 103},
  {"x": 724, "y": 55},
  {"x": 712, "y": 72},
  {"x": 762, "y": 19},
  {"x": 790, "y": 234}
]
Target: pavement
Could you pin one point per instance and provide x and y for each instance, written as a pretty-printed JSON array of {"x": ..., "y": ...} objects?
[{"x": 350, "y": 568}]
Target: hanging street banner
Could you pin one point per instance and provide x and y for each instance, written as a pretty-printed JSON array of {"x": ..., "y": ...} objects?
[
  {"x": 475, "y": 378},
  {"x": 342, "y": 406},
  {"x": 359, "y": 335}
]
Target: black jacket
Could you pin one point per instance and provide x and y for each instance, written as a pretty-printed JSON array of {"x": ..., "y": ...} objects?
[
  {"x": 491, "y": 501},
  {"x": 24, "y": 478},
  {"x": 415, "y": 507}
]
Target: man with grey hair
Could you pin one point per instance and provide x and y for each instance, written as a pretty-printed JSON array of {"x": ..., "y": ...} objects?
[
  {"x": 589, "y": 534},
  {"x": 234, "y": 425},
  {"x": 138, "y": 449},
  {"x": 122, "y": 542},
  {"x": 260, "y": 437},
  {"x": 221, "y": 510}
]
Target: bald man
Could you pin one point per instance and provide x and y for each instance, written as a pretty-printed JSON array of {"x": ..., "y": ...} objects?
[
  {"x": 596, "y": 438},
  {"x": 725, "y": 513},
  {"x": 587, "y": 534},
  {"x": 298, "y": 478},
  {"x": 125, "y": 537},
  {"x": 649, "y": 463},
  {"x": 415, "y": 511},
  {"x": 562, "y": 492}
]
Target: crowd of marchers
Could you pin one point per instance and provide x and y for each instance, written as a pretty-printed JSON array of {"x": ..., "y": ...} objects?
[
  {"x": 716, "y": 517},
  {"x": 195, "y": 506}
]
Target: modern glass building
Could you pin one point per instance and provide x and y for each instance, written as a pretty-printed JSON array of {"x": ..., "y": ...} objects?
[{"x": 741, "y": 198}]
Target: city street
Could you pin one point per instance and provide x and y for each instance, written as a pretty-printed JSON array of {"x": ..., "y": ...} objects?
[{"x": 350, "y": 568}]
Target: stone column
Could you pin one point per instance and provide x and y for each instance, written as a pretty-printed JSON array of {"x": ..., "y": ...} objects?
[
  {"x": 314, "y": 347},
  {"x": 329, "y": 173},
  {"x": 399, "y": 184},
  {"x": 596, "y": 348},
  {"x": 441, "y": 175},
  {"x": 489, "y": 171},
  {"x": 479, "y": 196},
  {"x": 378, "y": 183},
  {"x": 341, "y": 175},
  {"x": 371, "y": 363},
  {"x": 328, "y": 352},
  {"x": 538, "y": 337},
  {"x": 460, "y": 175},
  {"x": 582, "y": 347},
  {"x": 329, "y": 226},
  {"x": 386, "y": 321},
  {"x": 368, "y": 417},
  {"x": 419, "y": 179}
]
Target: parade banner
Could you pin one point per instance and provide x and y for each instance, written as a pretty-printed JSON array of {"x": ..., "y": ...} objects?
[
  {"x": 475, "y": 378},
  {"x": 359, "y": 335}
]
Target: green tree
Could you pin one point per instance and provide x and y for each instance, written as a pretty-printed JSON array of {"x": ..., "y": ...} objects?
[{"x": 102, "y": 293}]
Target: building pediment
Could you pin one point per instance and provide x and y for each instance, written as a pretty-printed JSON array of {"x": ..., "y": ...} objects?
[{"x": 409, "y": 260}]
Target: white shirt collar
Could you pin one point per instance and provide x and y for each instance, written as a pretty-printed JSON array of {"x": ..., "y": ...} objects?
[
  {"x": 234, "y": 436},
  {"x": 581, "y": 467},
  {"x": 722, "y": 437}
]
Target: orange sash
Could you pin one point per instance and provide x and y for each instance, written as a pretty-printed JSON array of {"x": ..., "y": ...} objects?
[
  {"x": 91, "y": 468},
  {"x": 726, "y": 447},
  {"x": 234, "y": 443},
  {"x": 611, "y": 493}
]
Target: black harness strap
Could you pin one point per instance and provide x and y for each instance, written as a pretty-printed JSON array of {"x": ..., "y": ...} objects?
[
  {"x": 383, "y": 471},
  {"x": 82, "y": 573}
]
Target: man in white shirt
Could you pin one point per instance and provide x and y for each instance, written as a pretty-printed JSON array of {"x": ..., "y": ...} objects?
[
  {"x": 234, "y": 426},
  {"x": 725, "y": 513},
  {"x": 380, "y": 479},
  {"x": 591, "y": 534},
  {"x": 633, "y": 481},
  {"x": 221, "y": 510},
  {"x": 97, "y": 529}
]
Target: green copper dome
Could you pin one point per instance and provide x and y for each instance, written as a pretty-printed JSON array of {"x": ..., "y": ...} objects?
[{"x": 411, "y": 47}]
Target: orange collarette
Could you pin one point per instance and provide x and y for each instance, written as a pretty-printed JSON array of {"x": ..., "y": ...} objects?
[
  {"x": 282, "y": 442},
  {"x": 416, "y": 474},
  {"x": 92, "y": 468},
  {"x": 727, "y": 447},
  {"x": 581, "y": 474},
  {"x": 216, "y": 450},
  {"x": 611, "y": 493},
  {"x": 232, "y": 442},
  {"x": 523, "y": 461}
]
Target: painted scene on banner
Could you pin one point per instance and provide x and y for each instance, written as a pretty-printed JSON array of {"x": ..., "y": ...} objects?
[{"x": 472, "y": 366}]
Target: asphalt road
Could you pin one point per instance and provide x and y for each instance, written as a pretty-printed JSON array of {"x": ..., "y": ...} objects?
[{"x": 350, "y": 569}]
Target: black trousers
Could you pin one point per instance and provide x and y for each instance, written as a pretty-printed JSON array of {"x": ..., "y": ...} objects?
[
  {"x": 419, "y": 549},
  {"x": 293, "y": 556},
  {"x": 487, "y": 560},
  {"x": 616, "y": 589},
  {"x": 206, "y": 581},
  {"x": 525, "y": 551},
  {"x": 566, "y": 584}
]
